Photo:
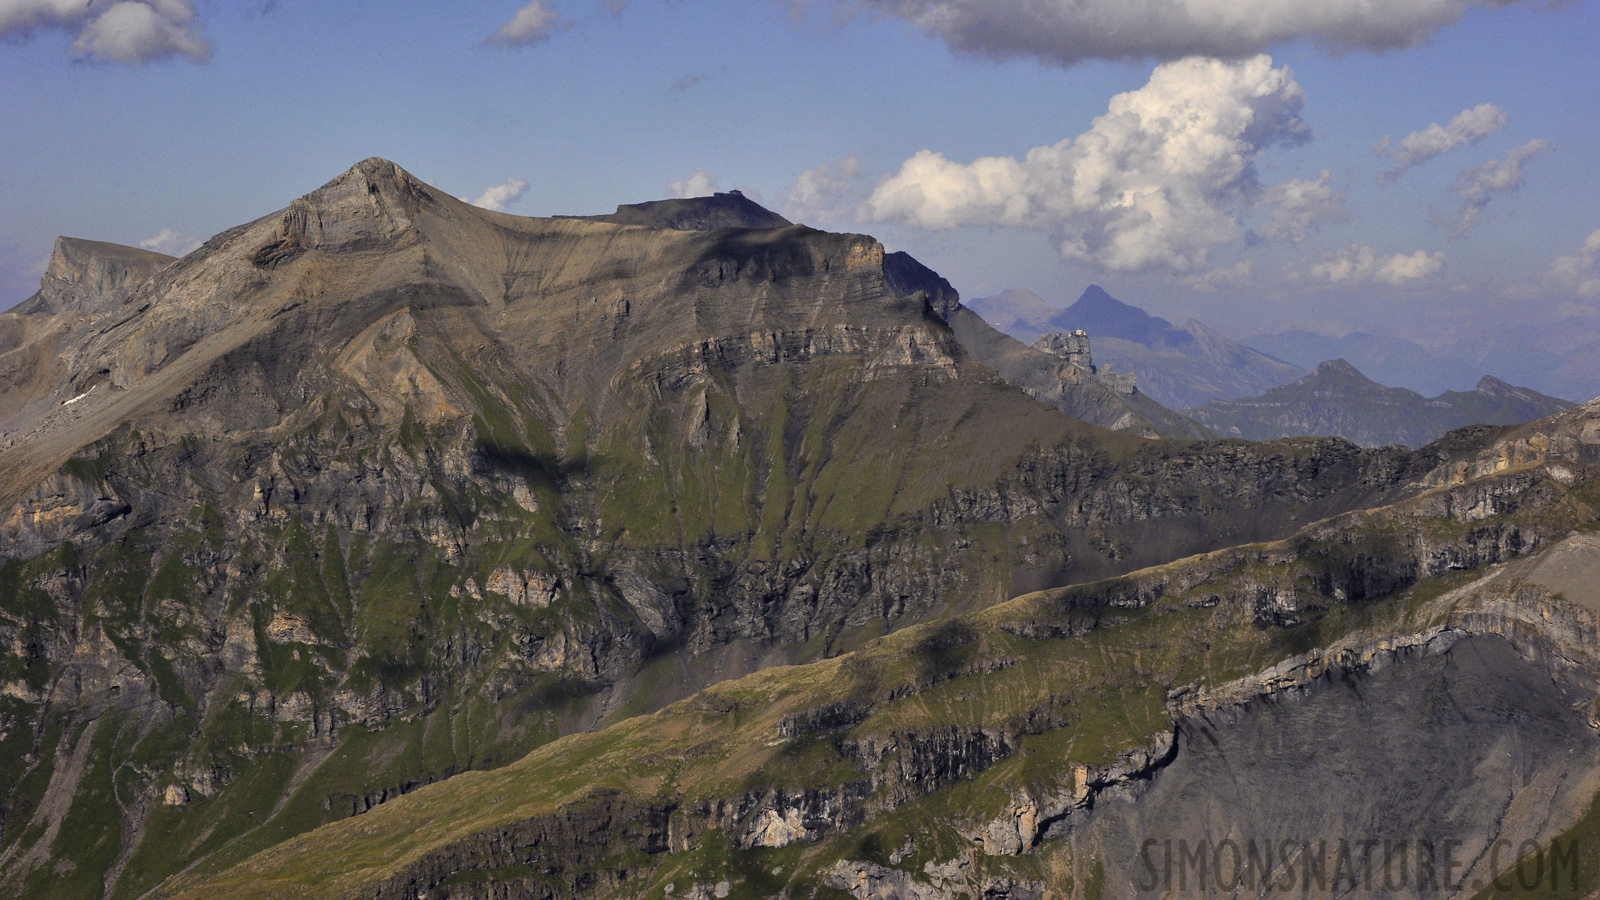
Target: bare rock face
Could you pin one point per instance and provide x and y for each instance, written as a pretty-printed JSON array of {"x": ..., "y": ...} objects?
[
  {"x": 91, "y": 277},
  {"x": 1072, "y": 346}
]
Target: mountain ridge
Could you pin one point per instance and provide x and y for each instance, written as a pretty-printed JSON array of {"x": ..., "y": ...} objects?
[
  {"x": 1336, "y": 399},
  {"x": 1177, "y": 367}
]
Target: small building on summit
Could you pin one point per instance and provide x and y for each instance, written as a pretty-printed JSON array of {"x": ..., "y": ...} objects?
[{"x": 1074, "y": 348}]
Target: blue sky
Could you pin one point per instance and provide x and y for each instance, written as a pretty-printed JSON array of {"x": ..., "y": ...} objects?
[{"x": 182, "y": 119}]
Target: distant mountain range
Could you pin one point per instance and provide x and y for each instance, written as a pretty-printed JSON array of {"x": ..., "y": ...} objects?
[
  {"x": 1385, "y": 358},
  {"x": 1177, "y": 367},
  {"x": 1336, "y": 400},
  {"x": 1557, "y": 360}
]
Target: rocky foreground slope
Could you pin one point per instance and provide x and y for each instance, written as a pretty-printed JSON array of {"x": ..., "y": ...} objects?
[
  {"x": 1415, "y": 677},
  {"x": 382, "y": 490}
]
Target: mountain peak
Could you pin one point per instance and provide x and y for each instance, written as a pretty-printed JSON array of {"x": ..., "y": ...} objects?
[
  {"x": 1338, "y": 367},
  {"x": 1094, "y": 296},
  {"x": 1103, "y": 315},
  {"x": 1489, "y": 384},
  {"x": 1340, "y": 376},
  {"x": 88, "y": 276},
  {"x": 723, "y": 210},
  {"x": 372, "y": 202}
]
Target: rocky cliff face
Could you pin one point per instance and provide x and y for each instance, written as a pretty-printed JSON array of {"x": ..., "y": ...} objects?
[
  {"x": 1069, "y": 743},
  {"x": 91, "y": 277},
  {"x": 382, "y": 489},
  {"x": 84, "y": 282}
]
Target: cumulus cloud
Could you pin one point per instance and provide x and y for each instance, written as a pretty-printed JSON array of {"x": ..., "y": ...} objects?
[
  {"x": 824, "y": 191},
  {"x": 129, "y": 32},
  {"x": 1155, "y": 182},
  {"x": 501, "y": 195},
  {"x": 1468, "y": 127},
  {"x": 1299, "y": 206},
  {"x": 1580, "y": 272},
  {"x": 1479, "y": 184},
  {"x": 533, "y": 23},
  {"x": 1066, "y": 32},
  {"x": 1356, "y": 264},
  {"x": 171, "y": 242},
  {"x": 699, "y": 184}
]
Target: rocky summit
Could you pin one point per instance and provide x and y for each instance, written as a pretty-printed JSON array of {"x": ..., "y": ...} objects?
[{"x": 387, "y": 546}]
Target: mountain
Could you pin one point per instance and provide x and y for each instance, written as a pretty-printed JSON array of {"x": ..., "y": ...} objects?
[
  {"x": 1042, "y": 375},
  {"x": 1389, "y": 359},
  {"x": 84, "y": 276},
  {"x": 386, "y": 546},
  {"x": 724, "y": 210},
  {"x": 1337, "y": 400},
  {"x": 1106, "y": 740},
  {"x": 1177, "y": 367},
  {"x": 383, "y": 491},
  {"x": 83, "y": 282},
  {"x": 1018, "y": 312}
]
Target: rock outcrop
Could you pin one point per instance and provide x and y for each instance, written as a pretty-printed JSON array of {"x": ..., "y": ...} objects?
[{"x": 91, "y": 277}]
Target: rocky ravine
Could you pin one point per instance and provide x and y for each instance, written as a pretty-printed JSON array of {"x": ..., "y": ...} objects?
[{"x": 383, "y": 488}]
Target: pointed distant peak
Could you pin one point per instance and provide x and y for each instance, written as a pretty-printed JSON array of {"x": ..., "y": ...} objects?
[
  {"x": 1095, "y": 295},
  {"x": 1021, "y": 293},
  {"x": 1337, "y": 368},
  {"x": 1489, "y": 384},
  {"x": 730, "y": 209},
  {"x": 1104, "y": 315}
]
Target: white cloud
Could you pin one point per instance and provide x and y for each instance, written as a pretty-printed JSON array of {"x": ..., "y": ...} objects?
[
  {"x": 130, "y": 32},
  {"x": 697, "y": 185},
  {"x": 1468, "y": 127},
  {"x": 1357, "y": 264},
  {"x": 532, "y": 23},
  {"x": 823, "y": 191},
  {"x": 1066, "y": 32},
  {"x": 501, "y": 195},
  {"x": 1479, "y": 184},
  {"x": 171, "y": 242},
  {"x": 1299, "y": 206},
  {"x": 1580, "y": 272},
  {"x": 1155, "y": 182},
  {"x": 21, "y": 16}
]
